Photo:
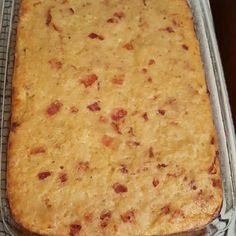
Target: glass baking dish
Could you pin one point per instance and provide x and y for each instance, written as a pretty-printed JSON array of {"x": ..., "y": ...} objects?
[{"x": 218, "y": 95}]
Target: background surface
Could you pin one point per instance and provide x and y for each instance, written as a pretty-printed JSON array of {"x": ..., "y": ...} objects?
[{"x": 224, "y": 14}]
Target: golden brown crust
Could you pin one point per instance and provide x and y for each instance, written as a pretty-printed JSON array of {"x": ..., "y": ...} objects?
[{"x": 111, "y": 130}]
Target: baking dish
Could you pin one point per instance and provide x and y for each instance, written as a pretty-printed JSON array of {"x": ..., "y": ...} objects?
[{"x": 217, "y": 91}]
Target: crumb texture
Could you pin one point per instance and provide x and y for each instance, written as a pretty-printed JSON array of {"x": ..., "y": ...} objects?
[{"x": 112, "y": 131}]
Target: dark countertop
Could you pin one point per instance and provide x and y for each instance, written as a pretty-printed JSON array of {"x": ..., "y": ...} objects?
[{"x": 225, "y": 26}]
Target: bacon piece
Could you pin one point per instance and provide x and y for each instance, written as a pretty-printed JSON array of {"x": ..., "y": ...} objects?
[
  {"x": 89, "y": 80},
  {"x": 177, "y": 214},
  {"x": 88, "y": 216},
  {"x": 14, "y": 125},
  {"x": 107, "y": 140},
  {"x": 37, "y": 150},
  {"x": 103, "y": 119},
  {"x": 162, "y": 165},
  {"x": 63, "y": 177},
  {"x": 151, "y": 62},
  {"x": 116, "y": 127},
  {"x": 185, "y": 47},
  {"x": 55, "y": 64},
  {"x": 95, "y": 36},
  {"x": 56, "y": 28},
  {"x": 54, "y": 108},
  {"x": 119, "y": 188},
  {"x": 165, "y": 210},
  {"x": 145, "y": 116},
  {"x": 112, "y": 20},
  {"x": 105, "y": 216},
  {"x": 212, "y": 140},
  {"x": 83, "y": 166},
  {"x": 117, "y": 81},
  {"x": 119, "y": 15},
  {"x": 169, "y": 29},
  {"x": 216, "y": 183},
  {"x": 150, "y": 152},
  {"x": 129, "y": 46},
  {"x": 144, "y": 70},
  {"x": 123, "y": 168},
  {"x": 193, "y": 185},
  {"x": 75, "y": 229},
  {"x": 94, "y": 107},
  {"x": 48, "y": 17},
  {"x": 149, "y": 79},
  {"x": 133, "y": 143},
  {"x": 128, "y": 217},
  {"x": 155, "y": 182},
  {"x": 212, "y": 170},
  {"x": 131, "y": 131},
  {"x": 71, "y": 10},
  {"x": 74, "y": 109},
  {"x": 44, "y": 175},
  {"x": 161, "y": 112},
  {"x": 118, "y": 114}
]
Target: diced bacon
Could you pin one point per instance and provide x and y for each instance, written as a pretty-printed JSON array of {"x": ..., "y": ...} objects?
[
  {"x": 56, "y": 28},
  {"x": 161, "y": 112},
  {"x": 88, "y": 217},
  {"x": 71, "y": 10},
  {"x": 74, "y": 109},
  {"x": 95, "y": 36},
  {"x": 133, "y": 143},
  {"x": 149, "y": 79},
  {"x": 131, "y": 131},
  {"x": 83, "y": 166},
  {"x": 185, "y": 47},
  {"x": 107, "y": 140},
  {"x": 119, "y": 188},
  {"x": 193, "y": 185},
  {"x": 145, "y": 116},
  {"x": 118, "y": 114},
  {"x": 55, "y": 64},
  {"x": 54, "y": 108},
  {"x": 105, "y": 216},
  {"x": 165, "y": 210},
  {"x": 129, "y": 46},
  {"x": 212, "y": 140},
  {"x": 169, "y": 29},
  {"x": 216, "y": 183},
  {"x": 128, "y": 217},
  {"x": 37, "y": 150},
  {"x": 177, "y": 214},
  {"x": 75, "y": 229},
  {"x": 212, "y": 169},
  {"x": 150, "y": 152},
  {"x": 89, "y": 80},
  {"x": 117, "y": 81},
  {"x": 94, "y": 107},
  {"x": 48, "y": 17},
  {"x": 151, "y": 62},
  {"x": 103, "y": 119},
  {"x": 112, "y": 20},
  {"x": 144, "y": 70},
  {"x": 44, "y": 175},
  {"x": 161, "y": 165},
  {"x": 116, "y": 127},
  {"x": 14, "y": 125},
  {"x": 63, "y": 177},
  {"x": 123, "y": 169},
  {"x": 119, "y": 15},
  {"x": 155, "y": 182}
]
